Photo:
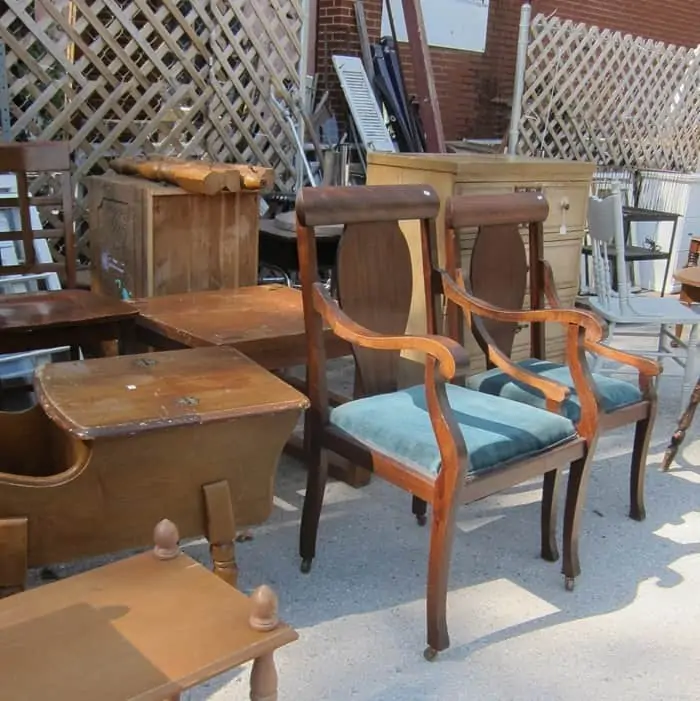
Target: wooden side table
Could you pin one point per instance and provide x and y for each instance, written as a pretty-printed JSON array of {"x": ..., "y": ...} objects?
[
  {"x": 145, "y": 628},
  {"x": 690, "y": 288},
  {"x": 264, "y": 322}
]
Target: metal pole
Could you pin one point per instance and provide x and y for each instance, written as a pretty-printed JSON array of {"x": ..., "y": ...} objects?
[
  {"x": 519, "y": 84},
  {"x": 301, "y": 160}
]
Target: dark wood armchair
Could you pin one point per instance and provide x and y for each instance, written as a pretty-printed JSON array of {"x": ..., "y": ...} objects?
[
  {"x": 498, "y": 275},
  {"x": 443, "y": 443},
  {"x": 53, "y": 318}
]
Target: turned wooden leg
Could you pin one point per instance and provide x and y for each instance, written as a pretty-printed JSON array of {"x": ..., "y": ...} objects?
[
  {"x": 263, "y": 617},
  {"x": 683, "y": 425},
  {"x": 221, "y": 530},
  {"x": 13, "y": 555}
]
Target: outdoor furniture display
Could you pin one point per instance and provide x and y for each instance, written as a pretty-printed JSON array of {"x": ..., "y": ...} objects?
[
  {"x": 264, "y": 322},
  {"x": 498, "y": 276},
  {"x": 115, "y": 442},
  {"x": 684, "y": 424},
  {"x": 44, "y": 320},
  {"x": 146, "y": 627},
  {"x": 444, "y": 444},
  {"x": 657, "y": 317},
  {"x": 639, "y": 254},
  {"x": 565, "y": 184}
]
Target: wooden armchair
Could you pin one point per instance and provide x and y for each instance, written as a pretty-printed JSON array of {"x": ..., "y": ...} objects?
[
  {"x": 57, "y": 317},
  {"x": 499, "y": 247},
  {"x": 443, "y": 443}
]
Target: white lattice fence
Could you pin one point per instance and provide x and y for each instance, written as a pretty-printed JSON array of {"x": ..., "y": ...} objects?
[
  {"x": 611, "y": 98},
  {"x": 122, "y": 77}
]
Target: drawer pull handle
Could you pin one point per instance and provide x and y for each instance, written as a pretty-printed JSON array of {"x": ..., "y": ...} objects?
[{"x": 565, "y": 207}]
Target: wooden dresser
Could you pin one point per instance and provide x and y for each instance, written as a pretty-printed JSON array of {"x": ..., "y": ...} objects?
[
  {"x": 149, "y": 239},
  {"x": 565, "y": 184}
]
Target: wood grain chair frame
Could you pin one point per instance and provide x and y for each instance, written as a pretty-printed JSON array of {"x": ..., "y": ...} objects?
[
  {"x": 375, "y": 284},
  {"x": 50, "y": 157},
  {"x": 614, "y": 403},
  {"x": 56, "y": 318}
]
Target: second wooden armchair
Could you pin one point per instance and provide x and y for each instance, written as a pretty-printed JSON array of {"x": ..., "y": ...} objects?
[
  {"x": 498, "y": 275},
  {"x": 443, "y": 443}
]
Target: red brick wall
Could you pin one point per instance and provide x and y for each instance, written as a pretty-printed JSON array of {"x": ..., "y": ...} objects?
[{"x": 474, "y": 88}]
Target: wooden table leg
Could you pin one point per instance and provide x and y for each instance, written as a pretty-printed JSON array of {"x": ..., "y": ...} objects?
[
  {"x": 221, "y": 531},
  {"x": 13, "y": 555}
]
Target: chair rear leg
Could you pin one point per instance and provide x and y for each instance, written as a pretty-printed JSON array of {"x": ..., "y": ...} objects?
[
  {"x": 683, "y": 425},
  {"x": 575, "y": 498},
  {"x": 441, "y": 540},
  {"x": 317, "y": 476},
  {"x": 642, "y": 437},
  {"x": 420, "y": 509},
  {"x": 550, "y": 489}
]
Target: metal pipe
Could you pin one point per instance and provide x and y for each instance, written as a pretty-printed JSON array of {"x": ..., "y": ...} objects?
[{"x": 519, "y": 83}]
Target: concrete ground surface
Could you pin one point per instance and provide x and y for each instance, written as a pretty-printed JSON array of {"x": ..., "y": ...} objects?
[{"x": 628, "y": 631}]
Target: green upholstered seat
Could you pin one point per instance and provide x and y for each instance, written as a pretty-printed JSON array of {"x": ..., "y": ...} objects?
[
  {"x": 495, "y": 430},
  {"x": 614, "y": 394}
]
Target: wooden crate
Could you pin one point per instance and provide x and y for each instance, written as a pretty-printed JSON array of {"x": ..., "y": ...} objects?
[
  {"x": 149, "y": 239},
  {"x": 565, "y": 184}
]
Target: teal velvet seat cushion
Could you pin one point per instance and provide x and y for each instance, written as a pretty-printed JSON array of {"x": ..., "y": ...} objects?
[
  {"x": 495, "y": 430},
  {"x": 614, "y": 394}
]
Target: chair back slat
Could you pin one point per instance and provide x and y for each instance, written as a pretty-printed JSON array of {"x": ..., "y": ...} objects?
[{"x": 47, "y": 165}]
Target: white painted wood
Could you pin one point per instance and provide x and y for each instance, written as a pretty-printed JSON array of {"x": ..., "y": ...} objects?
[{"x": 363, "y": 105}]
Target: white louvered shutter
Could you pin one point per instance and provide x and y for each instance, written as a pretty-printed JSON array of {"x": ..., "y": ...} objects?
[{"x": 363, "y": 104}]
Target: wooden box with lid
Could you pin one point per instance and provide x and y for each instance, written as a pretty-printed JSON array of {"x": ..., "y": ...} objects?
[
  {"x": 565, "y": 184},
  {"x": 149, "y": 239}
]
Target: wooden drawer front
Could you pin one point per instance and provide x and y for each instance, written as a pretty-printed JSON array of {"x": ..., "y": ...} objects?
[{"x": 568, "y": 205}]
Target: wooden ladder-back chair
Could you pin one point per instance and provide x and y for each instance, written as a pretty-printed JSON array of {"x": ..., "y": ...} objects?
[
  {"x": 49, "y": 319},
  {"x": 444, "y": 444},
  {"x": 499, "y": 246}
]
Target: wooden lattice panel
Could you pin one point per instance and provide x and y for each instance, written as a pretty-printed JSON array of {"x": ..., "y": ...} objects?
[
  {"x": 611, "y": 98},
  {"x": 124, "y": 77}
]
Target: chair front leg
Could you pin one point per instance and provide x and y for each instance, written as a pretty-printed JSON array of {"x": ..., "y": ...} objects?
[
  {"x": 317, "y": 476},
  {"x": 575, "y": 498}
]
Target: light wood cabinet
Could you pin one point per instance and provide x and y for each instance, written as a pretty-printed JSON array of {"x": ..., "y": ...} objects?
[
  {"x": 565, "y": 184},
  {"x": 148, "y": 239}
]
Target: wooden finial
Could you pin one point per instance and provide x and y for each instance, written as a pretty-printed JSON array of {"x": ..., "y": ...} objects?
[
  {"x": 263, "y": 615},
  {"x": 166, "y": 539}
]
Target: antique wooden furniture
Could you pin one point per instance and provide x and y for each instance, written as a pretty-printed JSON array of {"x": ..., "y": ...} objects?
[
  {"x": 635, "y": 315},
  {"x": 264, "y": 322},
  {"x": 444, "y": 444},
  {"x": 565, "y": 184},
  {"x": 149, "y": 239},
  {"x": 684, "y": 424},
  {"x": 115, "y": 442},
  {"x": 59, "y": 318},
  {"x": 146, "y": 627},
  {"x": 499, "y": 254},
  {"x": 689, "y": 277}
]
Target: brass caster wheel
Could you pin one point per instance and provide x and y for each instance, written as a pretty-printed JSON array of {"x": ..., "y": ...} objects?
[
  {"x": 430, "y": 653},
  {"x": 422, "y": 519},
  {"x": 306, "y": 565},
  {"x": 569, "y": 583}
]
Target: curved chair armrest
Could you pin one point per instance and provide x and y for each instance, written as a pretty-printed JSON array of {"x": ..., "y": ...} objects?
[
  {"x": 471, "y": 305},
  {"x": 646, "y": 366},
  {"x": 453, "y": 360}
]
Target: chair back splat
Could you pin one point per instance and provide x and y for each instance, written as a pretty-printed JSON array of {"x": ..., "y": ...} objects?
[
  {"x": 498, "y": 270},
  {"x": 374, "y": 268}
]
